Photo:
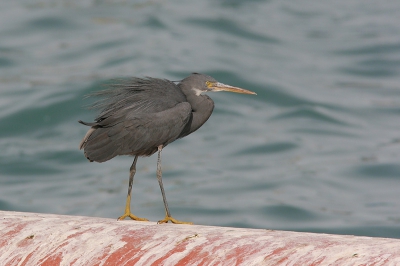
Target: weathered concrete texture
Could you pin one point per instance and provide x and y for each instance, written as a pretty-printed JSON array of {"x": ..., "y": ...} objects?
[{"x": 45, "y": 239}]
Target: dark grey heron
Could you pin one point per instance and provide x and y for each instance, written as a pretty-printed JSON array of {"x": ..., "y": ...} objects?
[{"x": 142, "y": 116}]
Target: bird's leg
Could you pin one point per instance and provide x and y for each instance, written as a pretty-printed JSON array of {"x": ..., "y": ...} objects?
[
  {"x": 168, "y": 216},
  {"x": 128, "y": 213}
]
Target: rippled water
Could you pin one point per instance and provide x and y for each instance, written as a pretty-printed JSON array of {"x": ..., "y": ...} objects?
[{"x": 317, "y": 149}]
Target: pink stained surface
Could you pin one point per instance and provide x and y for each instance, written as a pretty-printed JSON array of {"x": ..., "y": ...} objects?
[{"x": 45, "y": 239}]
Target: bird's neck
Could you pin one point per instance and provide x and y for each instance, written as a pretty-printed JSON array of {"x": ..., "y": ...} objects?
[{"x": 202, "y": 108}]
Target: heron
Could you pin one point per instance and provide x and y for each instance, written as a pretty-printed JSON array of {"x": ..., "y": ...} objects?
[{"x": 142, "y": 116}]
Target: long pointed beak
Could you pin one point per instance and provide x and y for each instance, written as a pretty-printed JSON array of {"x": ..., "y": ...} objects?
[{"x": 218, "y": 86}]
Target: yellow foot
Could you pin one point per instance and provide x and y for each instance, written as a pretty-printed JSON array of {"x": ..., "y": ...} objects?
[
  {"x": 133, "y": 217},
  {"x": 168, "y": 218}
]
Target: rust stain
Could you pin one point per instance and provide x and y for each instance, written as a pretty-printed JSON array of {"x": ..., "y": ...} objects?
[
  {"x": 13, "y": 230},
  {"x": 53, "y": 260},
  {"x": 131, "y": 251}
]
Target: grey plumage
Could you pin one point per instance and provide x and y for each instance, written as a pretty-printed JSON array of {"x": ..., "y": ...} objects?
[
  {"x": 143, "y": 115},
  {"x": 136, "y": 117}
]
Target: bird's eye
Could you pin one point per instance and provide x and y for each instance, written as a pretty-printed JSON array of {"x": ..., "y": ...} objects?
[{"x": 208, "y": 84}]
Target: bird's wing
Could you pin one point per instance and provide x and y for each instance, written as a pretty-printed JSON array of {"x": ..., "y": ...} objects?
[
  {"x": 136, "y": 133},
  {"x": 138, "y": 95}
]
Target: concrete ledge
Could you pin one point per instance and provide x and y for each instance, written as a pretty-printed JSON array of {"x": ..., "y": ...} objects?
[{"x": 46, "y": 239}]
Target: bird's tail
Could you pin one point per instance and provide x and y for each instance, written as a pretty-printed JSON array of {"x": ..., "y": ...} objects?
[
  {"x": 86, "y": 137},
  {"x": 97, "y": 145}
]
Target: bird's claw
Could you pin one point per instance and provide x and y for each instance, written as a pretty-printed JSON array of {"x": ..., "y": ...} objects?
[
  {"x": 133, "y": 217},
  {"x": 173, "y": 220}
]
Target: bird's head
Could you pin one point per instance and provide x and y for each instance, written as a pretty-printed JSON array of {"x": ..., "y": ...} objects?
[{"x": 201, "y": 83}]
